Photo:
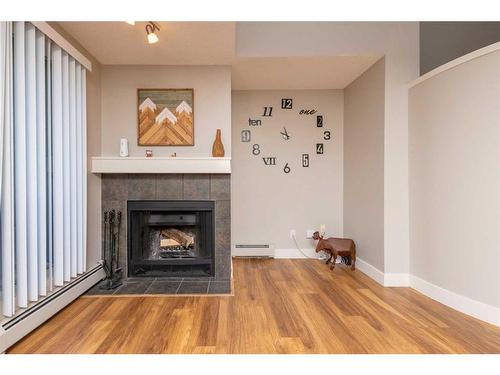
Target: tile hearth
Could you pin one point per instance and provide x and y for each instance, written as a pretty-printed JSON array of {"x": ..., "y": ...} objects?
[{"x": 165, "y": 286}]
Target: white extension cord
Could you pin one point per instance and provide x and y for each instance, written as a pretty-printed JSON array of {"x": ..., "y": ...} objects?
[
  {"x": 304, "y": 254},
  {"x": 322, "y": 255}
]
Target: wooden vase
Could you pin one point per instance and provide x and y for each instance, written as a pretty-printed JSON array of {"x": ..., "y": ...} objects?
[{"x": 218, "y": 147}]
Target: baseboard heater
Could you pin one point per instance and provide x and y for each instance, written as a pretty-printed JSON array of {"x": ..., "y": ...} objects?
[
  {"x": 253, "y": 250},
  {"x": 17, "y": 327}
]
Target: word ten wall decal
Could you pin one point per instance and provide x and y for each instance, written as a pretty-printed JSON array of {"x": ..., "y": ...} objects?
[{"x": 254, "y": 122}]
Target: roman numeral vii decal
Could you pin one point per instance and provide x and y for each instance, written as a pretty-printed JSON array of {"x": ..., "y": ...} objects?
[{"x": 269, "y": 160}]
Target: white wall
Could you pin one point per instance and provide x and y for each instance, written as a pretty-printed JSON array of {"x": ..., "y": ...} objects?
[
  {"x": 266, "y": 202},
  {"x": 364, "y": 164},
  {"x": 398, "y": 42},
  {"x": 455, "y": 180},
  {"x": 212, "y": 105}
]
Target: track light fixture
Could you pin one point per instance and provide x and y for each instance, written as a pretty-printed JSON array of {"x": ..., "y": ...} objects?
[{"x": 151, "y": 27}]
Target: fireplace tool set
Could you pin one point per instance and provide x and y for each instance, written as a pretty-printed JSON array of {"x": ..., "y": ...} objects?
[{"x": 111, "y": 249}]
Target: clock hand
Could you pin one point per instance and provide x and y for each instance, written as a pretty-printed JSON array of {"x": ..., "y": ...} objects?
[{"x": 285, "y": 134}]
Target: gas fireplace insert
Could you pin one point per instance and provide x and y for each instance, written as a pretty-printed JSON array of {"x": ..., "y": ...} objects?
[{"x": 171, "y": 238}]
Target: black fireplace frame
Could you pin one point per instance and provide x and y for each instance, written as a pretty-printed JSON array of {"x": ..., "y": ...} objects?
[{"x": 184, "y": 267}]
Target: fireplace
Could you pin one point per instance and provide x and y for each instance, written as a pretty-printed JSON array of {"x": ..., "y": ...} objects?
[{"x": 171, "y": 238}]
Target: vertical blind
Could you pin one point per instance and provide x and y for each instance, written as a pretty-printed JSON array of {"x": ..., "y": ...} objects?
[{"x": 42, "y": 166}]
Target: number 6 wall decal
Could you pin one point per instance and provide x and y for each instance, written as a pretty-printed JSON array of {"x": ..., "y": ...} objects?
[{"x": 286, "y": 168}]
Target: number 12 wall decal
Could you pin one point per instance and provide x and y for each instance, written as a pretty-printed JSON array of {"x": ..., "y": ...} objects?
[{"x": 286, "y": 103}]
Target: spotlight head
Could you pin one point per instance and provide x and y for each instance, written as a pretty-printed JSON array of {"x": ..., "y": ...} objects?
[
  {"x": 152, "y": 38},
  {"x": 151, "y": 27}
]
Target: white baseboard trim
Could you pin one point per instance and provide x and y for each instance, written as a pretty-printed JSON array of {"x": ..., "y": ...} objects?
[
  {"x": 370, "y": 271},
  {"x": 294, "y": 254},
  {"x": 466, "y": 305},
  {"x": 384, "y": 279},
  {"x": 396, "y": 280},
  {"x": 18, "y": 327}
]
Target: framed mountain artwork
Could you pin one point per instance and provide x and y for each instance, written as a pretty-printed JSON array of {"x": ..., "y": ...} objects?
[{"x": 165, "y": 117}]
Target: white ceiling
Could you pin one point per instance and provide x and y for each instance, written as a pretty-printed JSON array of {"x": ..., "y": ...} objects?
[
  {"x": 181, "y": 43},
  {"x": 213, "y": 43},
  {"x": 326, "y": 72}
]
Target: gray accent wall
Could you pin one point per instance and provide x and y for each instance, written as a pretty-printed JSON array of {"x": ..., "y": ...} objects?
[
  {"x": 267, "y": 202},
  {"x": 364, "y": 164},
  {"x": 441, "y": 42}
]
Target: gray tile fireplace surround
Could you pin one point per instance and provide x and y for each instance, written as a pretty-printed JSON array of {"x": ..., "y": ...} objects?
[{"x": 118, "y": 188}]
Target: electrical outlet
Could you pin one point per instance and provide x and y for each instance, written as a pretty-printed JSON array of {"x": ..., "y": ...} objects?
[
  {"x": 322, "y": 229},
  {"x": 292, "y": 233},
  {"x": 310, "y": 233}
]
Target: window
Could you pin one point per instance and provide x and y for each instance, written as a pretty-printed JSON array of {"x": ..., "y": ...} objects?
[{"x": 43, "y": 166}]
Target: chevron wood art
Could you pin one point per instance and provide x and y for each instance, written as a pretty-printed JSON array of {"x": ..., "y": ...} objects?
[{"x": 165, "y": 117}]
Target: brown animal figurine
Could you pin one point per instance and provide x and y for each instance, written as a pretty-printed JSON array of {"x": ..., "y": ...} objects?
[{"x": 343, "y": 247}]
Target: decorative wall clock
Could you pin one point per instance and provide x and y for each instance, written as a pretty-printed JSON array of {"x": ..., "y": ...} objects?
[{"x": 319, "y": 135}]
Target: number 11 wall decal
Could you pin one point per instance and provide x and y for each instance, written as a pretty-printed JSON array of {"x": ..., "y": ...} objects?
[{"x": 268, "y": 112}]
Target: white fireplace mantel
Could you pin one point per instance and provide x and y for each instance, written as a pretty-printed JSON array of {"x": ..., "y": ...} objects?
[{"x": 115, "y": 164}]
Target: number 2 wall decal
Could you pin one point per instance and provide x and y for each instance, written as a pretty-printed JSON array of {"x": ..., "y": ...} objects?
[{"x": 319, "y": 121}]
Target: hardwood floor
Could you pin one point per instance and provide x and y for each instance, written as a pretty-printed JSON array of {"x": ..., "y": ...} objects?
[{"x": 279, "y": 306}]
